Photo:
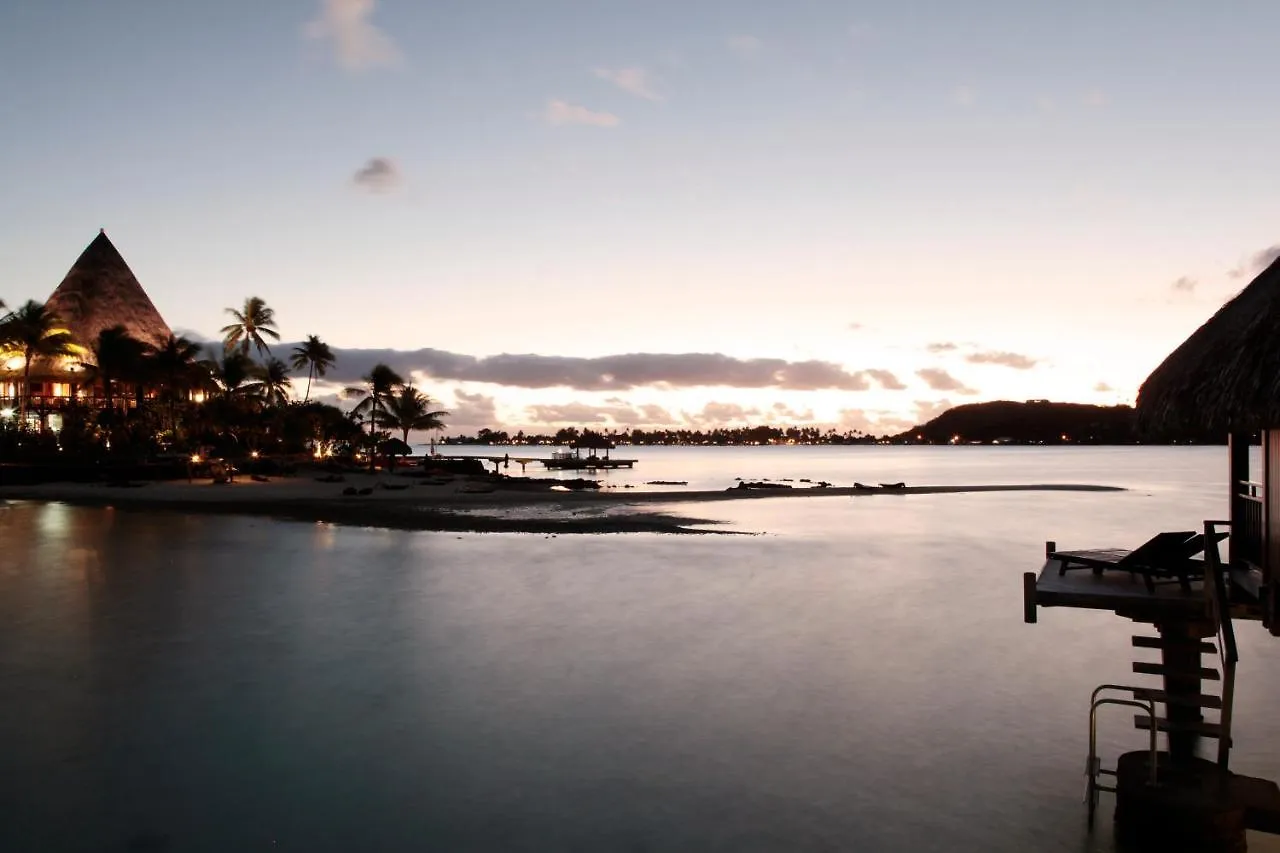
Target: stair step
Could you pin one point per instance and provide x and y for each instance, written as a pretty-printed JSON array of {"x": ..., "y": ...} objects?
[
  {"x": 1160, "y": 669},
  {"x": 1142, "y": 721},
  {"x": 1161, "y": 643},
  {"x": 1200, "y": 700}
]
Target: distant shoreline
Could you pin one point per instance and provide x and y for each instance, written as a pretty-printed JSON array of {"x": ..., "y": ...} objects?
[{"x": 449, "y": 508}]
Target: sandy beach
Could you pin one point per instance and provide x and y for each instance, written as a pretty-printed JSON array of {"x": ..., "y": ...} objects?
[{"x": 460, "y": 504}]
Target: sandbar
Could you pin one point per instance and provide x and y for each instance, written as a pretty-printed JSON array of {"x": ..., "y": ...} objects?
[{"x": 461, "y": 504}]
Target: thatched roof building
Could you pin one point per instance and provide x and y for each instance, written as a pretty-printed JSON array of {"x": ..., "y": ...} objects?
[
  {"x": 100, "y": 291},
  {"x": 1226, "y": 376}
]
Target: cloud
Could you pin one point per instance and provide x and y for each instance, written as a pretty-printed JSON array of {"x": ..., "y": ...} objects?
[
  {"x": 1103, "y": 388},
  {"x": 964, "y": 96},
  {"x": 927, "y": 410},
  {"x": 475, "y": 410},
  {"x": 887, "y": 380},
  {"x": 378, "y": 175},
  {"x": 721, "y": 414},
  {"x": 611, "y": 373},
  {"x": 1185, "y": 284},
  {"x": 782, "y": 410},
  {"x": 562, "y": 112},
  {"x": 939, "y": 380},
  {"x": 357, "y": 43},
  {"x": 1094, "y": 98},
  {"x": 633, "y": 80},
  {"x": 745, "y": 45},
  {"x": 1257, "y": 263},
  {"x": 942, "y": 346},
  {"x": 1004, "y": 359}
]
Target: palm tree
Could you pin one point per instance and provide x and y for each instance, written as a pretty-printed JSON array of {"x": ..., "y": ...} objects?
[
  {"x": 117, "y": 356},
  {"x": 272, "y": 383},
  {"x": 175, "y": 368},
  {"x": 409, "y": 409},
  {"x": 254, "y": 321},
  {"x": 379, "y": 385},
  {"x": 230, "y": 372},
  {"x": 34, "y": 331},
  {"x": 315, "y": 355}
]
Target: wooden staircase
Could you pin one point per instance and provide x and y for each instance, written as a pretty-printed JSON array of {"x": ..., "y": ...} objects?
[{"x": 1181, "y": 692}]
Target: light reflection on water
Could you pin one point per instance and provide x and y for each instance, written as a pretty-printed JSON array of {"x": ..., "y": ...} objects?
[{"x": 857, "y": 677}]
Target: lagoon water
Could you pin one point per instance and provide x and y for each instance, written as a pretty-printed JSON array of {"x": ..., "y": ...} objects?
[{"x": 857, "y": 676}]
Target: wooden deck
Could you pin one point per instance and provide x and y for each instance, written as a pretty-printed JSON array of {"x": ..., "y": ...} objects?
[{"x": 1116, "y": 591}]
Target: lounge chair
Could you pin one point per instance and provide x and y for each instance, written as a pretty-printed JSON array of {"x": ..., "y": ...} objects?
[{"x": 1168, "y": 555}]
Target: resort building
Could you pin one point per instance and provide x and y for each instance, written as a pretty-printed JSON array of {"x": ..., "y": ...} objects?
[{"x": 97, "y": 293}]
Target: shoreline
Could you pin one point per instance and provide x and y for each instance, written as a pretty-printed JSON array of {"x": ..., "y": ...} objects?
[{"x": 448, "y": 508}]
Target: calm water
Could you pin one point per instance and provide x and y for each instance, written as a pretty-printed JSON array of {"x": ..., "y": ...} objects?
[{"x": 856, "y": 677}]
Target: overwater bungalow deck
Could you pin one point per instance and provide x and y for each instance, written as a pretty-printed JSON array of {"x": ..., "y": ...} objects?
[{"x": 1220, "y": 380}]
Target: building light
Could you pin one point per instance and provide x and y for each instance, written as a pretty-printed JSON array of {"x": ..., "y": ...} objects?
[
  {"x": 6, "y": 413},
  {"x": 195, "y": 459},
  {"x": 253, "y": 454},
  {"x": 14, "y": 363}
]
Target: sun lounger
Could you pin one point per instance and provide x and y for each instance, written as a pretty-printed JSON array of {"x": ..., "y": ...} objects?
[{"x": 1168, "y": 555}]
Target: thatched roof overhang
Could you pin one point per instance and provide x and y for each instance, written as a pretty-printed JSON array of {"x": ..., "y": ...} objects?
[{"x": 1226, "y": 376}]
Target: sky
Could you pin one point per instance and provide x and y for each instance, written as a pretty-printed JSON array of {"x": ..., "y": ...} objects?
[{"x": 673, "y": 213}]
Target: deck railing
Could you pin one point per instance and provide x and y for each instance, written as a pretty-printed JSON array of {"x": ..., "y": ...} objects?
[{"x": 1247, "y": 523}]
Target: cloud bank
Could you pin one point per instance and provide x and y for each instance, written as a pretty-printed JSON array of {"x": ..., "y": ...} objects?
[
  {"x": 1015, "y": 360},
  {"x": 939, "y": 380},
  {"x": 611, "y": 372}
]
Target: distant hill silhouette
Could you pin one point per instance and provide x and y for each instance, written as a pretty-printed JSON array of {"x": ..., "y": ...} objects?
[{"x": 1032, "y": 422}]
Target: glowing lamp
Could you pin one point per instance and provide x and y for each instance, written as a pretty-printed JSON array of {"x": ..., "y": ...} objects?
[
  {"x": 253, "y": 454},
  {"x": 13, "y": 363},
  {"x": 6, "y": 413},
  {"x": 195, "y": 458}
]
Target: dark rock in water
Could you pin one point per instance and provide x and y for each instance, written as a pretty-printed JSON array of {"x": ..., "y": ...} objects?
[
  {"x": 805, "y": 480},
  {"x": 672, "y": 482},
  {"x": 367, "y": 490},
  {"x": 746, "y": 485},
  {"x": 447, "y": 465},
  {"x": 350, "y": 490},
  {"x": 862, "y": 487},
  {"x": 893, "y": 485}
]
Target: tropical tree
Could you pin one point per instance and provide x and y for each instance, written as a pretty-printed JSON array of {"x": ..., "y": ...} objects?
[
  {"x": 380, "y": 384},
  {"x": 251, "y": 323},
  {"x": 174, "y": 366},
  {"x": 314, "y": 355},
  {"x": 116, "y": 357},
  {"x": 33, "y": 331},
  {"x": 272, "y": 383},
  {"x": 230, "y": 372},
  {"x": 409, "y": 409}
]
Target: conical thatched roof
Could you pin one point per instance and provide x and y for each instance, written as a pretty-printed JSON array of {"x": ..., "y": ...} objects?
[
  {"x": 99, "y": 292},
  {"x": 1226, "y": 376}
]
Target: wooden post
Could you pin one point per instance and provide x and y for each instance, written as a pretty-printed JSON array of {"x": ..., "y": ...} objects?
[
  {"x": 1181, "y": 657},
  {"x": 1238, "y": 465}
]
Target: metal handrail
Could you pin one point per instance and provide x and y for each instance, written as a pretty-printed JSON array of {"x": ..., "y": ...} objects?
[
  {"x": 1228, "y": 652},
  {"x": 1094, "y": 767}
]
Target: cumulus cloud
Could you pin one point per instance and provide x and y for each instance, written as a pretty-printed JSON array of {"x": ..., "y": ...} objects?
[
  {"x": 1103, "y": 388},
  {"x": 1017, "y": 361},
  {"x": 562, "y": 113},
  {"x": 1257, "y": 263},
  {"x": 378, "y": 175},
  {"x": 939, "y": 380},
  {"x": 1184, "y": 284},
  {"x": 611, "y": 373},
  {"x": 635, "y": 81},
  {"x": 942, "y": 346},
  {"x": 782, "y": 410},
  {"x": 721, "y": 414},
  {"x": 472, "y": 410},
  {"x": 887, "y": 380},
  {"x": 745, "y": 45},
  {"x": 357, "y": 43}
]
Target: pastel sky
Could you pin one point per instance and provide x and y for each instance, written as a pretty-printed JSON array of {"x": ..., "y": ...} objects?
[{"x": 850, "y": 213}]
